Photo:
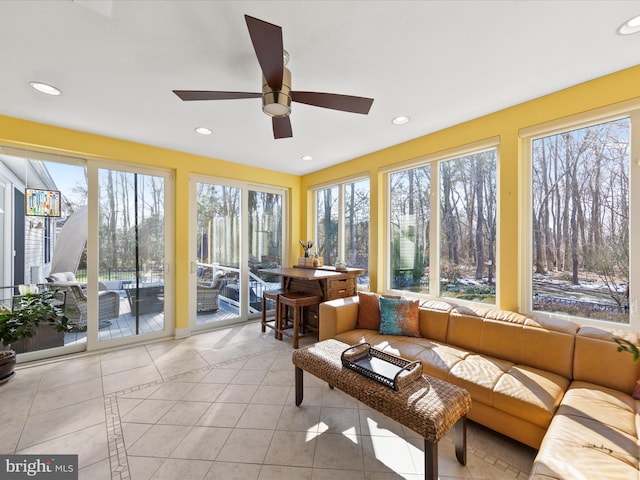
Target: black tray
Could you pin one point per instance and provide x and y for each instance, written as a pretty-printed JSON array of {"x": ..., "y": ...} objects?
[{"x": 389, "y": 370}]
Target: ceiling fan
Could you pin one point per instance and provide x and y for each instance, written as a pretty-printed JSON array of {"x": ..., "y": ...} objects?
[{"x": 276, "y": 83}]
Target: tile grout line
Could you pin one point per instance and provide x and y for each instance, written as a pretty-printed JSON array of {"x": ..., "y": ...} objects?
[
  {"x": 118, "y": 460},
  {"x": 117, "y": 452}
]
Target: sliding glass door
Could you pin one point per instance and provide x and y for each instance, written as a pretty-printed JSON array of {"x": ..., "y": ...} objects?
[
  {"x": 218, "y": 248},
  {"x": 237, "y": 232},
  {"x": 264, "y": 242},
  {"x": 132, "y": 254},
  {"x": 43, "y": 233}
]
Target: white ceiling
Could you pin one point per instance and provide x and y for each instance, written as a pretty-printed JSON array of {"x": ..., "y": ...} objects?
[{"x": 440, "y": 62}]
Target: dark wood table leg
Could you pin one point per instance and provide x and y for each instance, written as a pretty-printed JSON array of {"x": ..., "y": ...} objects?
[
  {"x": 430, "y": 460},
  {"x": 460, "y": 430},
  {"x": 299, "y": 387}
]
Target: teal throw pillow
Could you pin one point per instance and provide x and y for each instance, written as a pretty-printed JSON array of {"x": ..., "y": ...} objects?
[{"x": 399, "y": 317}]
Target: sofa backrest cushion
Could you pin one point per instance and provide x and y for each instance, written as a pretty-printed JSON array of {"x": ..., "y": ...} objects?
[
  {"x": 465, "y": 328},
  {"x": 514, "y": 337},
  {"x": 434, "y": 319},
  {"x": 548, "y": 345},
  {"x": 597, "y": 359}
]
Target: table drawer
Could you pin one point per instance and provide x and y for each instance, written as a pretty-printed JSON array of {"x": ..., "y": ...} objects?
[
  {"x": 345, "y": 292},
  {"x": 340, "y": 283}
]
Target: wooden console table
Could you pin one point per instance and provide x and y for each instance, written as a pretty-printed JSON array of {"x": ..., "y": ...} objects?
[{"x": 326, "y": 282}]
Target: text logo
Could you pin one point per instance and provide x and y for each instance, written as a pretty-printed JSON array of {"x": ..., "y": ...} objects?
[{"x": 39, "y": 467}]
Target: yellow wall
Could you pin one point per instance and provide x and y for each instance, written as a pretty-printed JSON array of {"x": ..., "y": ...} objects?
[
  {"x": 84, "y": 145},
  {"x": 505, "y": 124}
]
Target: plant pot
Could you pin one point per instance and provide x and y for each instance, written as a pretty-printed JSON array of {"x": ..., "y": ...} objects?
[
  {"x": 45, "y": 337},
  {"x": 7, "y": 363}
]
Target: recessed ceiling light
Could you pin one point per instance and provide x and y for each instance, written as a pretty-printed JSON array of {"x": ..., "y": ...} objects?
[
  {"x": 400, "y": 120},
  {"x": 203, "y": 131},
  {"x": 630, "y": 26},
  {"x": 306, "y": 158},
  {"x": 45, "y": 88}
]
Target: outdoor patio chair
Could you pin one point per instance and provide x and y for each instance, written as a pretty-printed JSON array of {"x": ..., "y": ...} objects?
[
  {"x": 76, "y": 304},
  {"x": 208, "y": 291}
]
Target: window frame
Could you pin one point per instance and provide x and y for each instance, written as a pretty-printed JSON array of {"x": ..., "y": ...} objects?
[
  {"x": 527, "y": 136},
  {"x": 434, "y": 160}
]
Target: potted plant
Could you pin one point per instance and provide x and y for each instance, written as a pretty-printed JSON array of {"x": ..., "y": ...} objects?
[{"x": 34, "y": 309}]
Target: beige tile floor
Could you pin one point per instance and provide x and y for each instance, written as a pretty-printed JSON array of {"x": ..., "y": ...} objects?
[{"x": 219, "y": 406}]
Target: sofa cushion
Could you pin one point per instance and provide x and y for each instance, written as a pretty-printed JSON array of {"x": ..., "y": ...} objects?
[
  {"x": 548, "y": 349},
  {"x": 437, "y": 358},
  {"x": 502, "y": 339},
  {"x": 479, "y": 375},
  {"x": 514, "y": 337},
  {"x": 465, "y": 328},
  {"x": 353, "y": 337},
  {"x": 369, "y": 310},
  {"x": 530, "y": 393},
  {"x": 399, "y": 317},
  {"x": 597, "y": 360},
  {"x": 434, "y": 319},
  {"x": 594, "y": 430}
]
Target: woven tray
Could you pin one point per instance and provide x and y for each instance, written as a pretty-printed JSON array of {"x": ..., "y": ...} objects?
[{"x": 389, "y": 370}]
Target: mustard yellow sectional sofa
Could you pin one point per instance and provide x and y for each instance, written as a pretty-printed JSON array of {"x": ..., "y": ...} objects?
[{"x": 553, "y": 385}]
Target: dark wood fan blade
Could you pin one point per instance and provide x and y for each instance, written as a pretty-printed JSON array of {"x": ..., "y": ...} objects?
[
  {"x": 346, "y": 103},
  {"x": 267, "y": 42},
  {"x": 282, "y": 127},
  {"x": 188, "y": 95}
]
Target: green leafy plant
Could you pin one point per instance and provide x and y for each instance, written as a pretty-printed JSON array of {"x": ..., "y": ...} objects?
[
  {"x": 34, "y": 309},
  {"x": 627, "y": 346}
]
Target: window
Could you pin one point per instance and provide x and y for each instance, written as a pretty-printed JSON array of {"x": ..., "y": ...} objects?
[
  {"x": 580, "y": 210},
  {"x": 457, "y": 258},
  {"x": 342, "y": 225},
  {"x": 410, "y": 217}
]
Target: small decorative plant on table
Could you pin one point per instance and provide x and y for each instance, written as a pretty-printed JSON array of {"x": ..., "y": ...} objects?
[
  {"x": 34, "y": 309},
  {"x": 306, "y": 246}
]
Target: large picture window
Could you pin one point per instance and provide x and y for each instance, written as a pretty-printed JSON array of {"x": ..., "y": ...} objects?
[
  {"x": 454, "y": 257},
  {"x": 342, "y": 225},
  {"x": 468, "y": 227},
  {"x": 410, "y": 219},
  {"x": 580, "y": 199}
]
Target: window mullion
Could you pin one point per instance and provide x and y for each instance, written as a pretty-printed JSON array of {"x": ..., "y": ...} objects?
[
  {"x": 634, "y": 223},
  {"x": 341, "y": 212},
  {"x": 434, "y": 231}
]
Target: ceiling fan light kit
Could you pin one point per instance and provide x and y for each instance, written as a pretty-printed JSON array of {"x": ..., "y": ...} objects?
[
  {"x": 276, "y": 83},
  {"x": 277, "y": 103}
]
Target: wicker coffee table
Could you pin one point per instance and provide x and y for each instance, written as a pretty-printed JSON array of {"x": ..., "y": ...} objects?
[{"x": 428, "y": 406}]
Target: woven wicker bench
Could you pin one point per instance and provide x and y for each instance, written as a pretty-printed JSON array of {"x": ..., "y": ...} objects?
[{"x": 428, "y": 406}]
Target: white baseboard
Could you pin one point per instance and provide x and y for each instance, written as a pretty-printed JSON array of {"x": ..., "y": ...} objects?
[{"x": 182, "y": 333}]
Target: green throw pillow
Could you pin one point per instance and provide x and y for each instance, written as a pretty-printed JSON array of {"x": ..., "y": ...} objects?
[{"x": 399, "y": 317}]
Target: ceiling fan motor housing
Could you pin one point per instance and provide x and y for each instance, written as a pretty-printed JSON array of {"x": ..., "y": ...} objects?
[{"x": 277, "y": 103}]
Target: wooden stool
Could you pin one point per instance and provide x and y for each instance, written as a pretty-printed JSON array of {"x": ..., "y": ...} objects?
[
  {"x": 275, "y": 296},
  {"x": 296, "y": 301}
]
